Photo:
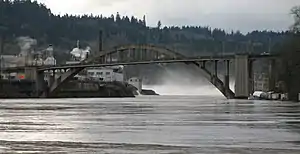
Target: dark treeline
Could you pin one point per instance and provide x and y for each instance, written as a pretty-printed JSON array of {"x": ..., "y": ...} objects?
[
  {"x": 290, "y": 59},
  {"x": 27, "y": 18}
]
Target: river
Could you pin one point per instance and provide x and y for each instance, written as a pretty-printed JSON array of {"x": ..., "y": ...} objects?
[{"x": 149, "y": 125}]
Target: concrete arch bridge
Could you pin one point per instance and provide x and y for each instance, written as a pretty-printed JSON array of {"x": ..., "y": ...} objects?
[{"x": 150, "y": 54}]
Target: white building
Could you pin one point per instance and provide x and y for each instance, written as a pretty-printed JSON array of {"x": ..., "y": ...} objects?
[
  {"x": 50, "y": 60},
  {"x": 136, "y": 82},
  {"x": 106, "y": 74}
]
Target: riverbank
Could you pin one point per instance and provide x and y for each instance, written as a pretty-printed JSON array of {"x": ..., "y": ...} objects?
[
  {"x": 93, "y": 89},
  {"x": 73, "y": 89}
]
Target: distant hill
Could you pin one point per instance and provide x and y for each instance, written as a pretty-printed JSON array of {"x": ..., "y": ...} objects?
[{"x": 26, "y": 18}]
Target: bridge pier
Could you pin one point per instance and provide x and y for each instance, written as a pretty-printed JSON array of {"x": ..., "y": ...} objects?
[
  {"x": 32, "y": 73},
  {"x": 203, "y": 64},
  {"x": 51, "y": 77},
  {"x": 243, "y": 75},
  {"x": 251, "y": 77},
  {"x": 272, "y": 74},
  {"x": 226, "y": 78},
  {"x": 216, "y": 68},
  {"x": 214, "y": 75}
]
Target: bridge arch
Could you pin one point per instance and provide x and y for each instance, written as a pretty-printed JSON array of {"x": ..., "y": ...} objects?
[
  {"x": 140, "y": 51},
  {"x": 124, "y": 53}
]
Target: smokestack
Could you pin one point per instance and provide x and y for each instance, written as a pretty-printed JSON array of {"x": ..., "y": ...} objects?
[{"x": 100, "y": 40}]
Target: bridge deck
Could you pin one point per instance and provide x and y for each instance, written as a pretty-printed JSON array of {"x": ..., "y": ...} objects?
[{"x": 185, "y": 60}]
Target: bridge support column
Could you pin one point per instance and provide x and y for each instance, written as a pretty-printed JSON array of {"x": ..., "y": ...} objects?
[
  {"x": 129, "y": 55},
  {"x": 32, "y": 73},
  {"x": 272, "y": 75},
  {"x": 118, "y": 56},
  {"x": 242, "y": 87},
  {"x": 203, "y": 65},
  {"x": 216, "y": 68},
  {"x": 251, "y": 77},
  {"x": 143, "y": 54},
  {"x": 215, "y": 72},
  {"x": 156, "y": 55},
  {"x": 105, "y": 58},
  {"x": 41, "y": 86},
  {"x": 226, "y": 79},
  {"x": 110, "y": 58}
]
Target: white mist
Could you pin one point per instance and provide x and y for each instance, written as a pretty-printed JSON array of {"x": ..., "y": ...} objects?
[{"x": 180, "y": 82}]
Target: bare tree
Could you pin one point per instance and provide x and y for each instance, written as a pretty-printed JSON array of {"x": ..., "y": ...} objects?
[{"x": 296, "y": 13}]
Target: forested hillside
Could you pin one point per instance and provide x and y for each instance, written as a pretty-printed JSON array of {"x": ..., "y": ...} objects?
[
  {"x": 26, "y": 18},
  {"x": 290, "y": 59}
]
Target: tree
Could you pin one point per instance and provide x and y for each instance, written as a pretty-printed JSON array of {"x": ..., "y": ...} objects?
[
  {"x": 296, "y": 13},
  {"x": 290, "y": 66},
  {"x": 133, "y": 20},
  {"x": 159, "y": 24},
  {"x": 144, "y": 20},
  {"x": 63, "y": 30},
  {"x": 290, "y": 58},
  {"x": 118, "y": 17}
]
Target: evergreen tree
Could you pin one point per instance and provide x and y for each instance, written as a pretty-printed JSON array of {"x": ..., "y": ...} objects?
[
  {"x": 118, "y": 17},
  {"x": 290, "y": 59},
  {"x": 27, "y": 18},
  {"x": 159, "y": 24}
]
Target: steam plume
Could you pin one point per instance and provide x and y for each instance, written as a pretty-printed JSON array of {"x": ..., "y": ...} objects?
[{"x": 26, "y": 44}]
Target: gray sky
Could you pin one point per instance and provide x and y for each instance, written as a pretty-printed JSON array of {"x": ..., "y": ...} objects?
[{"x": 243, "y": 15}]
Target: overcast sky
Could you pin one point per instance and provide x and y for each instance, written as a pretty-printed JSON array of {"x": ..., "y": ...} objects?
[{"x": 243, "y": 15}]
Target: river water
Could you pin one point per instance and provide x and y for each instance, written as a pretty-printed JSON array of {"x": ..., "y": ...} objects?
[{"x": 149, "y": 125}]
